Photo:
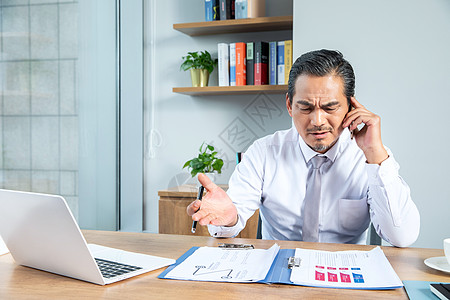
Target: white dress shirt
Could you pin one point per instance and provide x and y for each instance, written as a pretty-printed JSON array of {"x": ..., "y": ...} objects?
[{"x": 272, "y": 177}]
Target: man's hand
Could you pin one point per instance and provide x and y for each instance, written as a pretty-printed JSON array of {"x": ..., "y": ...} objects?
[
  {"x": 369, "y": 137},
  {"x": 215, "y": 208}
]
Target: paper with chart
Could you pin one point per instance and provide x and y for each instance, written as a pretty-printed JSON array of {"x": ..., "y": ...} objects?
[
  {"x": 226, "y": 265},
  {"x": 3, "y": 249},
  {"x": 345, "y": 269}
]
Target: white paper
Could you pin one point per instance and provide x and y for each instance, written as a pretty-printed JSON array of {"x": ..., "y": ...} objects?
[
  {"x": 225, "y": 265},
  {"x": 345, "y": 269},
  {"x": 3, "y": 249}
]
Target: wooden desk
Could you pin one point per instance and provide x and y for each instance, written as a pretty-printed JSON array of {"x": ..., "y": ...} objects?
[
  {"x": 17, "y": 282},
  {"x": 174, "y": 220}
]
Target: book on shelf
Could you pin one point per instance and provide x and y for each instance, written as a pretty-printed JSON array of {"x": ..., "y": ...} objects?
[
  {"x": 227, "y": 9},
  {"x": 254, "y": 63},
  {"x": 208, "y": 10},
  {"x": 241, "y": 70},
  {"x": 280, "y": 62},
  {"x": 233, "y": 9},
  {"x": 250, "y": 63},
  {"x": 233, "y": 64},
  {"x": 212, "y": 12},
  {"x": 240, "y": 9},
  {"x": 273, "y": 63},
  {"x": 223, "y": 54},
  {"x": 287, "y": 59},
  {"x": 215, "y": 10},
  {"x": 261, "y": 63}
]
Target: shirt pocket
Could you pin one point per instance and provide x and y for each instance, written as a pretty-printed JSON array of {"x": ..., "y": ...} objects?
[{"x": 353, "y": 215}]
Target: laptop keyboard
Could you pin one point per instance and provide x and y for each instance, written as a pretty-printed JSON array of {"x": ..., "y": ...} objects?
[{"x": 111, "y": 269}]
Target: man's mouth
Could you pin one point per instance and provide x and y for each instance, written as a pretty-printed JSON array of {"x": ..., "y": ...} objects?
[{"x": 320, "y": 134}]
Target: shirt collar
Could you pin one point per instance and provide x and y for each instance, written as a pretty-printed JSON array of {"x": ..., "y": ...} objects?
[{"x": 331, "y": 154}]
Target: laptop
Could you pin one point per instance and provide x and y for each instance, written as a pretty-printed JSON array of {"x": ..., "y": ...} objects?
[
  {"x": 41, "y": 232},
  {"x": 3, "y": 248}
]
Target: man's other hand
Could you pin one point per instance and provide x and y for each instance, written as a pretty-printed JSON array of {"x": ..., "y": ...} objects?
[
  {"x": 215, "y": 208},
  {"x": 369, "y": 137}
]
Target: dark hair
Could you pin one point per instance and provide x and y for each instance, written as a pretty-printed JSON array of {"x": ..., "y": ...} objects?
[{"x": 321, "y": 63}]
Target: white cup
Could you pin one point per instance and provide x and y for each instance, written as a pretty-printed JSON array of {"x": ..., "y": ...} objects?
[{"x": 447, "y": 249}]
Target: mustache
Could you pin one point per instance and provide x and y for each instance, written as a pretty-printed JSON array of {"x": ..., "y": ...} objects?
[{"x": 318, "y": 129}]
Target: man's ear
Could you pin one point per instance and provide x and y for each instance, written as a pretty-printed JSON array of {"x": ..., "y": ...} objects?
[{"x": 288, "y": 105}]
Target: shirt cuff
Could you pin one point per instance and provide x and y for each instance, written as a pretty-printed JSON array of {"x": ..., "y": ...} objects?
[
  {"x": 383, "y": 174},
  {"x": 224, "y": 231}
]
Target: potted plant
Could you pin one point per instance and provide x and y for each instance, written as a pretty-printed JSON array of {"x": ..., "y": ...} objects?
[
  {"x": 201, "y": 65},
  {"x": 206, "y": 162}
]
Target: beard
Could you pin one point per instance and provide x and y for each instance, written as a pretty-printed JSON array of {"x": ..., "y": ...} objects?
[{"x": 321, "y": 147}]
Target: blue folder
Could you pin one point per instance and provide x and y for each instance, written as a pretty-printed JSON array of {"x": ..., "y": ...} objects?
[{"x": 278, "y": 272}]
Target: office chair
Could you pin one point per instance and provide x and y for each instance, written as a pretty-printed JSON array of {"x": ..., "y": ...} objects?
[{"x": 374, "y": 238}]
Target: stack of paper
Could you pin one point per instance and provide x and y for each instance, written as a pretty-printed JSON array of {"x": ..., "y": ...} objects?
[
  {"x": 227, "y": 265},
  {"x": 345, "y": 269}
]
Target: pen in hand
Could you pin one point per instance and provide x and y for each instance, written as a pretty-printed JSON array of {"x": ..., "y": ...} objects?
[{"x": 199, "y": 197}]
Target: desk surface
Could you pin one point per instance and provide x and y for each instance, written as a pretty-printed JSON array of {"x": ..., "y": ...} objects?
[{"x": 18, "y": 282}]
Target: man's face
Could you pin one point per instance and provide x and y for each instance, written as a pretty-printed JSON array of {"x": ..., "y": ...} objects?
[{"x": 318, "y": 109}]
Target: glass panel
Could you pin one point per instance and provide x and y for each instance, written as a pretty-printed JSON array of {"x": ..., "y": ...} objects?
[{"x": 58, "y": 103}]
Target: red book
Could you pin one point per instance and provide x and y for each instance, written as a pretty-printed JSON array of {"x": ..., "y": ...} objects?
[
  {"x": 241, "y": 73},
  {"x": 261, "y": 63}
]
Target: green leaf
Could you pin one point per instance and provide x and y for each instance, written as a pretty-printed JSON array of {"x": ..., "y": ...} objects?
[
  {"x": 217, "y": 165},
  {"x": 186, "y": 164}
]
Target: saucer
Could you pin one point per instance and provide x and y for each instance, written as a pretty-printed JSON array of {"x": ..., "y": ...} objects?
[{"x": 438, "y": 263}]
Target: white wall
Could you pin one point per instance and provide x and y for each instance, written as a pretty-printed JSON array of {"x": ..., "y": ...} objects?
[
  {"x": 400, "y": 52},
  {"x": 184, "y": 122}
]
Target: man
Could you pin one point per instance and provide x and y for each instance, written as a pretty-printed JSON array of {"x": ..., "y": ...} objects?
[{"x": 323, "y": 180}]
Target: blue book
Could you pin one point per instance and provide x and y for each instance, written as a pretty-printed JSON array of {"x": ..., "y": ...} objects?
[
  {"x": 240, "y": 8},
  {"x": 280, "y": 63},
  {"x": 273, "y": 63},
  {"x": 208, "y": 10},
  {"x": 233, "y": 64}
]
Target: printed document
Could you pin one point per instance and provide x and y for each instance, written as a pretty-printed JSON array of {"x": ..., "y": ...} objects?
[
  {"x": 225, "y": 265},
  {"x": 3, "y": 249},
  {"x": 345, "y": 269}
]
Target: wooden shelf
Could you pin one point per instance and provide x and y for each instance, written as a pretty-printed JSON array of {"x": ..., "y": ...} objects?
[
  {"x": 230, "y": 90},
  {"x": 236, "y": 26}
]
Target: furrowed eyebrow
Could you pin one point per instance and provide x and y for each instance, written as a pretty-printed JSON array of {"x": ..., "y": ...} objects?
[
  {"x": 332, "y": 103},
  {"x": 304, "y": 102}
]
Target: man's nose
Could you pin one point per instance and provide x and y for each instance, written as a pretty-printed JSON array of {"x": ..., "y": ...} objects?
[{"x": 317, "y": 117}]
